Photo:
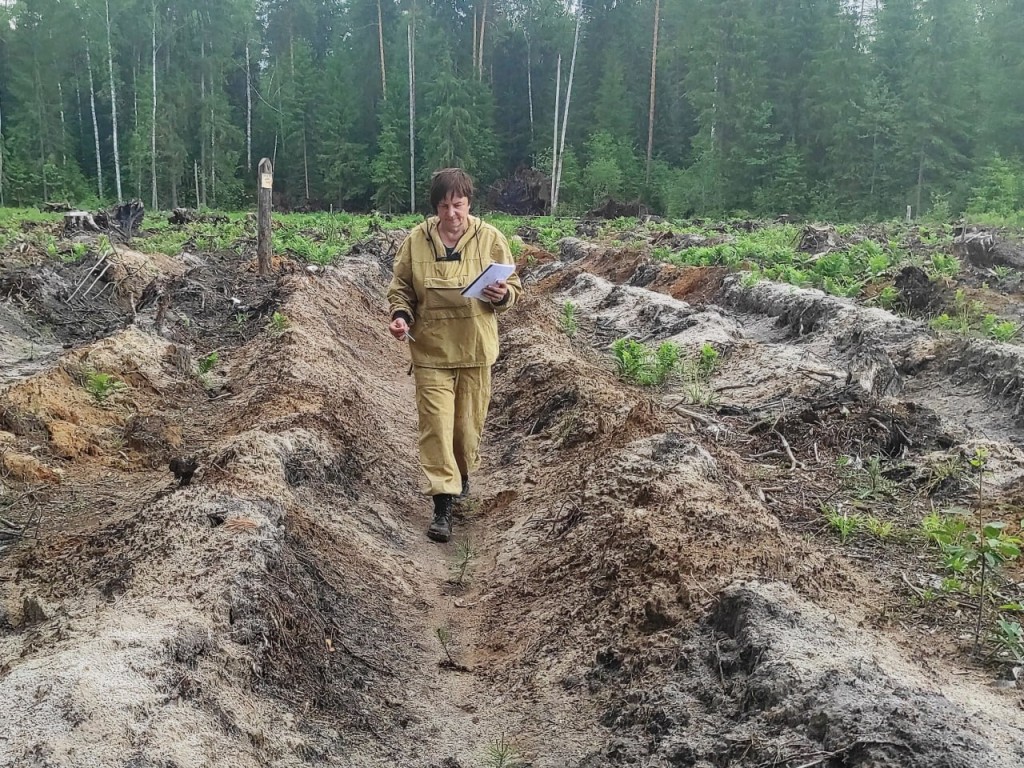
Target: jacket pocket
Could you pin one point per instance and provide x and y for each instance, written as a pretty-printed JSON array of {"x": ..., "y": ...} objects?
[{"x": 444, "y": 293}]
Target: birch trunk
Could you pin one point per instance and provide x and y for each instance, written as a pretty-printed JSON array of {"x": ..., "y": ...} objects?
[
  {"x": 113, "y": 105},
  {"x": 63, "y": 126},
  {"x": 529, "y": 81},
  {"x": 412, "y": 119},
  {"x": 380, "y": 45},
  {"x": 480, "y": 48},
  {"x": 554, "y": 137},
  {"x": 95, "y": 122},
  {"x": 248, "y": 109},
  {"x": 152, "y": 126},
  {"x": 654, "y": 73},
  {"x": 565, "y": 116}
]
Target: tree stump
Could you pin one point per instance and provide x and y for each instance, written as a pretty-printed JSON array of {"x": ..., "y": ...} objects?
[
  {"x": 986, "y": 250},
  {"x": 79, "y": 221}
]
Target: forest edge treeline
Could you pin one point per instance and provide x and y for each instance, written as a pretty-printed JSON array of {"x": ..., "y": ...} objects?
[{"x": 827, "y": 108}]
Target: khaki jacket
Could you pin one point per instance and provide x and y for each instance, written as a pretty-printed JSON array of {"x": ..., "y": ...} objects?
[{"x": 450, "y": 331}]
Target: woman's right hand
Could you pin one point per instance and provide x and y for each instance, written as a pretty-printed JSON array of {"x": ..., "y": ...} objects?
[{"x": 399, "y": 328}]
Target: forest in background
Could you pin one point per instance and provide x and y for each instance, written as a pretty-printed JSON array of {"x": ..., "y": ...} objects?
[{"x": 849, "y": 109}]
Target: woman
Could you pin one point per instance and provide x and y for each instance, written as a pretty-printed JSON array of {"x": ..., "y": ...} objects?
[{"x": 453, "y": 340}]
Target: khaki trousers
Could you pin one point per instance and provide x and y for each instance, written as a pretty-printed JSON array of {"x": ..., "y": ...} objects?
[{"x": 452, "y": 405}]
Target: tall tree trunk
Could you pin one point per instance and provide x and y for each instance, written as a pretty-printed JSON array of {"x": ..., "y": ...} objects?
[
  {"x": 248, "y": 109},
  {"x": 554, "y": 139},
  {"x": 412, "y": 119},
  {"x": 565, "y": 117},
  {"x": 213, "y": 155},
  {"x": 81, "y": 120},
  {"x": 305, "y": 158},
  {"x": 135, "y": 101},
  {"x": 920, "y": 182},
  {"x": 529, "y": 81},
  {"x": 113, "y": 104},
  {"x": 95, "y": 122},
  {"x": 654, "y": 72},
  {"x": 1, "y": 156},
  {"x": 63, "y": 125},
  {"x": 195, "y": 176},
  {"x": 152, "y": 126},
  {"x": 380, "y": 45},
  {"x": 480, "y": 48},
  {"x": 42, "y": 144},
  {"x": 474, "y": 39},
  {"x": 202, "y": 100}
]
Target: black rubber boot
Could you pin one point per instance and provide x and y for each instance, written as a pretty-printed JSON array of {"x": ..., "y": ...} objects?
[
  {"x": 441, "y": 527},
  {"x": 465, "y": 487}
]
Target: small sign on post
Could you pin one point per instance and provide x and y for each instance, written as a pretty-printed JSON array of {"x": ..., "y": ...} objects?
[{"x": 265, "y": 201}]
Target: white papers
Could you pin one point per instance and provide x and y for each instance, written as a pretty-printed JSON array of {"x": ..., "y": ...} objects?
[{"x": 494, "y": 273}]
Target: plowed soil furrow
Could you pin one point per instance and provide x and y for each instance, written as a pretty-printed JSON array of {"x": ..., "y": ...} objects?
[{"x": 652, "y": 580}]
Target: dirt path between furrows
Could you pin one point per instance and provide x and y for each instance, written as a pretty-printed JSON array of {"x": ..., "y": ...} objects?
[{"x": 652, "y": 583}]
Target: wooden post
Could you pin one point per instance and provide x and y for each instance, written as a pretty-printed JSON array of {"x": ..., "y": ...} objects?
[{"x": 265, "y": 196}]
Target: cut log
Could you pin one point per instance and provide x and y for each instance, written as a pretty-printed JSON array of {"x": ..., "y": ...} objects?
[{"x": 986, "y": 250}]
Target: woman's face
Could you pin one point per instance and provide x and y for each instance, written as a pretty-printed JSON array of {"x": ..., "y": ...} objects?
[{"x": 453, "y": 215}]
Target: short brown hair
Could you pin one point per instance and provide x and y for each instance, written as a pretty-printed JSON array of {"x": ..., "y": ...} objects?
[{"x": 450, "y": 181}]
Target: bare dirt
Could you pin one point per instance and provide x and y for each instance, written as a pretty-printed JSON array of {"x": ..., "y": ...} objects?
[{"x": 652, "y": 581}]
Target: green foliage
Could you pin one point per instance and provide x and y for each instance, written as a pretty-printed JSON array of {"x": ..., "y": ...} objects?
[
  {"x": 881, "y": 529},
  {"x": 999, "y": 189},
  {"x": 944, "y": 266},
  {"x": 1000, "y": 330},
  {"x": 567, "y": 320},
  {"x": 966, "y": 314},
  {"x": 944, "y": 530},
  {"x": 208, "y": 363},
  {"x": 888, "y": 297},
  {"x": 102, "y": 385},
  {"x": 1008, "y": 639},
  {"x": 461, "y": 567},
  {"x": 388, "y": 169},
  {"x": 708, "y": 359},
  {"x": 551, "y": 230},
  {"x": 503, "y": 754},
  {"x": 643, "y": 365},
  {"x": 842, "y": 522},
  {"x": 278, "y": 323}
]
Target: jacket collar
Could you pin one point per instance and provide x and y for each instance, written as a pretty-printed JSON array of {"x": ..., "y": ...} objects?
[{"x": 472, "y": 229}]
